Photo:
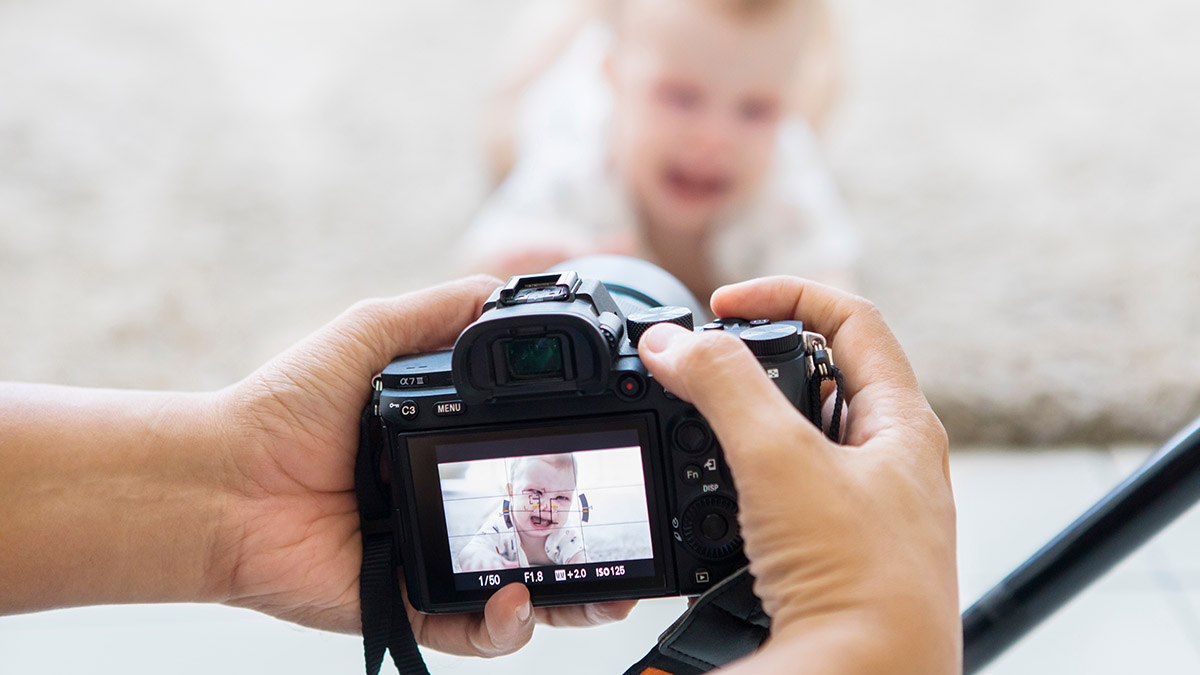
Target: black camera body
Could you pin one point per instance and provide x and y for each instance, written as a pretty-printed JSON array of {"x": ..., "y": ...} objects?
[{"x": 539, "y": 450}]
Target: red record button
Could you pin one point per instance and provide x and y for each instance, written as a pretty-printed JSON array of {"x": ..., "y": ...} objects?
[{"x": 630, "y": 385}]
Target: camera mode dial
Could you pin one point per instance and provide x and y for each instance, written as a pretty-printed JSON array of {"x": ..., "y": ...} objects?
[
  {"x": 709, "y": 527},
  {"x": 771, "y": 339},
  {"x": 638, "y": 322}
]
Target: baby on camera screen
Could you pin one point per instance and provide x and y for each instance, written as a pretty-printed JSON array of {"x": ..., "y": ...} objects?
[{"x": 548, "y": 509}]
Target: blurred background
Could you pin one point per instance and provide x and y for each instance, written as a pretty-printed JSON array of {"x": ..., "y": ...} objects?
[{"x": 188, "y": 188}]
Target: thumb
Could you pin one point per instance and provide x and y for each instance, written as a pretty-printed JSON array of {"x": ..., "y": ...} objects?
[
  {"x": 507, "y": 623},
  {"x": 719, "y": 375}
]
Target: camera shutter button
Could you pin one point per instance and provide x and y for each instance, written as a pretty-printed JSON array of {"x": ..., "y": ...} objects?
[
  {"x": 771, "y": 339},
  {"x": 638, "y": 322}
]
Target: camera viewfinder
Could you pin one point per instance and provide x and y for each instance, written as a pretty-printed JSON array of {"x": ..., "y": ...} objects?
[{"x": 534, "y": 358}]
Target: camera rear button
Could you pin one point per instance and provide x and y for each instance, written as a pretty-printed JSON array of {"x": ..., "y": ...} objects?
[
  {"x": 630, "y": 386},
  {"x": 408, "y": 408},
  {"x": 444, "y": 408},
  {"x": 691, "y": 474},
  {"x": 714, "y": 526},
  {"x": 692, "y": 436}
]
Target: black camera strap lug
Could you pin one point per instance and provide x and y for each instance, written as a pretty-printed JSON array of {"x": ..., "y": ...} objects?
[
  {"x": 818, "y": 366},
  {"x": 376, "y": 387}
]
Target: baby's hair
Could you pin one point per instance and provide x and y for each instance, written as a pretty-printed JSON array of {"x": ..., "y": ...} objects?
[{"x": 561, "y": 460}]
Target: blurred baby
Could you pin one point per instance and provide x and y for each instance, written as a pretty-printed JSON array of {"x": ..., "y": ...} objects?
[
  {"x": 680, "y": 131},
  {"x": 534, "y": 526}
]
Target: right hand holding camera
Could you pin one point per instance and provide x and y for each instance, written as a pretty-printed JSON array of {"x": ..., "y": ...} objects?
[{"x": 852, "y": 547}]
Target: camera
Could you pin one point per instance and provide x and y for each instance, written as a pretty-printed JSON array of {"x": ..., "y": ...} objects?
[{"x": 540, "y": 450}]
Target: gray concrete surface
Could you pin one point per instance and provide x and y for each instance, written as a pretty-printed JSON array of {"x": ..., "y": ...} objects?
[{"x": 187, "y": 188}]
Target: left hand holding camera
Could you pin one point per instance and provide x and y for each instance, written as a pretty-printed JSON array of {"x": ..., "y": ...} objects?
[{"x": 244, "y": 496}]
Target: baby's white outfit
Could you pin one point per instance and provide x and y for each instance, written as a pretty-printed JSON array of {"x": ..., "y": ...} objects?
[
  {"x": 562, "y": 191},
  {"x": 496, "y": 534}
]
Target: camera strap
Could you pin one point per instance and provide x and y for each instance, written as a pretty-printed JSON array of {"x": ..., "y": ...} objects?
[
  {"x": 385, "y": 625},
  {"x": 820, "y": 369},
  {"x": 723, "y": 625}
]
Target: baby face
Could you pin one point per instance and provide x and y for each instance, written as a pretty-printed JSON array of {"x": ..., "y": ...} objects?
[
  {"x": 699, "y": 91},
  {"x": 542, "y": 496}
]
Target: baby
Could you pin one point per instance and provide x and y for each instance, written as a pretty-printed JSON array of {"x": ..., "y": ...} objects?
[
  {"x": 675, "y": 130},
  {"x": 532, "y": 526}
]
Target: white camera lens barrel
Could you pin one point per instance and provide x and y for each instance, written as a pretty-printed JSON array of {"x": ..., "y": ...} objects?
[{"x": 635, "y": 284}]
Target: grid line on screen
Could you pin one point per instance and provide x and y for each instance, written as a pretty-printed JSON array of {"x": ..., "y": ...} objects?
[{"x": 505, "y": 495}]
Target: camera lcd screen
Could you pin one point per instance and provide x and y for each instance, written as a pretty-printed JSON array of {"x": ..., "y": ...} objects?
[{"x": 561, "y": 509}]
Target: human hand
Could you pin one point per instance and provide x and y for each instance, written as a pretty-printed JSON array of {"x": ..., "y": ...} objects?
[
  {"x": 289, "y": 542},
  {"x": 852, "y": 547}
]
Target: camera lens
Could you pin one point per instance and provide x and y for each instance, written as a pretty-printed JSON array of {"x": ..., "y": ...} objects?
[{"x": 539, "y": 358}]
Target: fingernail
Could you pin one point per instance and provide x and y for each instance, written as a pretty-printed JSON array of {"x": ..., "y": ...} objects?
[
  {"x": 524, "y": 610},
  {"x": 660, "y": 338}
]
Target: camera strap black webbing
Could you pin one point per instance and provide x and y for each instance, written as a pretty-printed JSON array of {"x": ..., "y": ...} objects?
[
  {"x": 385, "y": 625},
  {"x": 724, "y": 624}
]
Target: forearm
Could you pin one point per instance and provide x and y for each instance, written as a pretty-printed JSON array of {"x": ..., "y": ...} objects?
[{"x": 107, "y": 496}]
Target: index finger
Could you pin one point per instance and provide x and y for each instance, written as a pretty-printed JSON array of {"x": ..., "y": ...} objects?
[{"x": 877, "y": 373}]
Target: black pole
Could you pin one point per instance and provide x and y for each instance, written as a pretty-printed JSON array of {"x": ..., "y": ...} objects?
[{"x": 1137, "y": 509}]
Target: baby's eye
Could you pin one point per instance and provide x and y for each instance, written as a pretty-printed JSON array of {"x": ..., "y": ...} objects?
[
  {"x": 682, "y": 96},
  {"x": 759, "y": 110}
]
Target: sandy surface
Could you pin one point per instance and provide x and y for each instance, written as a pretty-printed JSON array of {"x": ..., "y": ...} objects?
[{"x": 187, "y": 188}]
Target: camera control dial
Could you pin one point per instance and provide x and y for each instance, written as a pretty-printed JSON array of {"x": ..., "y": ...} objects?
[
  {"x": 638, "y": 322},
  {"x": 710, "y": 528},
  {"x": 771, "y": 339}
]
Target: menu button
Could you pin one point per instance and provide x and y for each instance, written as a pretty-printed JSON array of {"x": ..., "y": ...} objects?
[{"x": 448, "y": 408}]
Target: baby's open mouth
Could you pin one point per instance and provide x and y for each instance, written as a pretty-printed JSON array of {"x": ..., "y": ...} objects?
[
  {"x": 538, "y": 521},
  {"x": 691, "y": 185}
]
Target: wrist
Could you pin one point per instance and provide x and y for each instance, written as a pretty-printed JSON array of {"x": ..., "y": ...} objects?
[{"x": 893, "y": 635}]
